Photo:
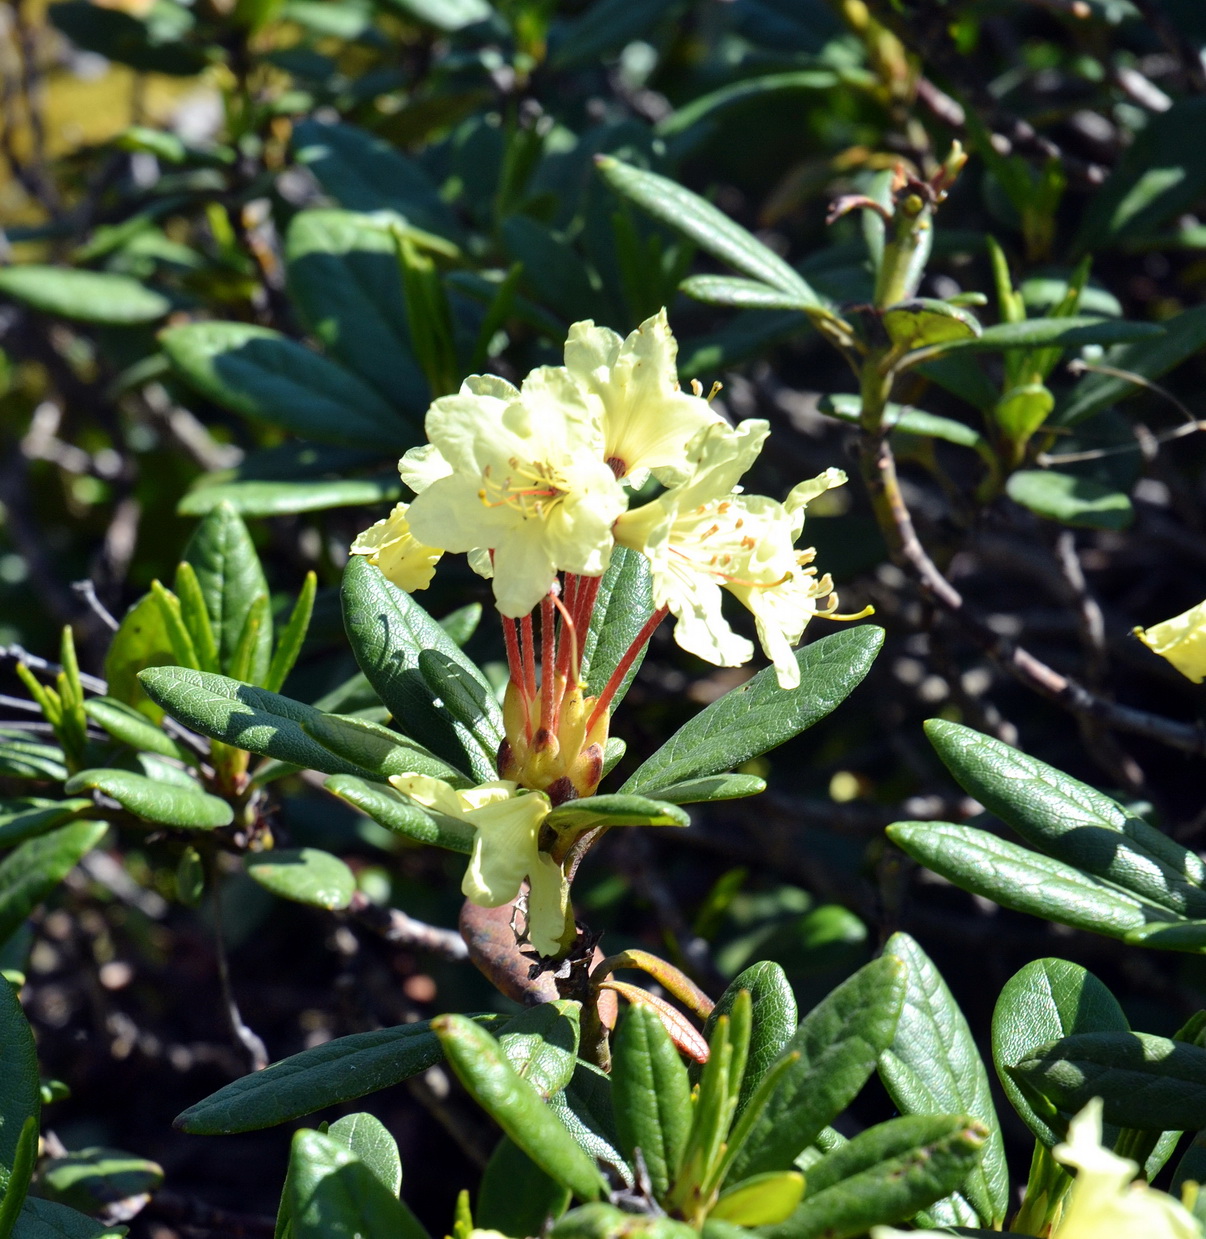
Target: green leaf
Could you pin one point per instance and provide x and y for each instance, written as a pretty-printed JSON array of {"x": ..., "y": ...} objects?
[
  {"x": 458, "y": 684},
  {"x": 18, "y": 1173},
  {"x": 85, "y": 296},
  {"x": 334, "y": 1195},
  {"x": 447, "y": 15},
  {"x": 1070, "y": 499},
  {"x": 131, "y": 727},
  {"x": 1071, "y": 821},
  {"x": 20, "y": 1091},
  {"x": 774, "y": 1016},
  {"x": 652, "y": 1096},
  {"x": 462, "y": 623},
  {"x": 605, "y": 27},
  {"x": 387, "y": 630},
  {"x": 682, "y": 118},
  {"x": 712, "y": 787},
  {"x": 744, "y": 294},
  {"x": 231, "y": 578},
  {"x": 1022, "y": 410},
  {"x": 760, "y": 716},
  {"x": 761, "y": 1200},
  {"x": 345, "y": 282},
  {"x": 847, "y": 408},
  {"x": 884, "y": 1175},
  {"x": 516, "y": 1106},
  {"x": 89, "y": 1179},
  {"x": 304, "y": 875},
  {"x": 364, "y": 173},
  {"x": 933, "y": 1067},
  {"x": 152, "y": 44},
  {"x": 154, "y": 801},
  {"x": 622, "y": 606},
  {"x": 838, "y": 1043},
  {"x": 1183, "y": 336},
  {"x": 516, "y": 1197},
  {"x": 43, "y": 1219},
  {"x": 584, "y": 1107},
  {"x": 288, "y": 498},
  {"x": 329, "y": 1074},
  {"x": 292, "y": 636},
  {"x": 603, "y": 1221},
  {"x": 1065, "y": 333},
  {"x": 30, "y": 816},
  {"x": 1145, "y": 1082},
  {"x": 1048, "y": 999},
  {"x": 1025, "y": 881},
  {"x": 924, "y": 322},
  {"x": 541, "y": 1044},
  {"x": 30, "y": 872},
  {"x": 615, "y": 810},
  {"x": 263, "y": 375},
  {"x": 141, "y": 641},
  {"x": 402, "y": 815},
  {"x": 370, "y": 1140},
  {"x": 709, "y": 228},
  {"x": 27, "y": 759}
]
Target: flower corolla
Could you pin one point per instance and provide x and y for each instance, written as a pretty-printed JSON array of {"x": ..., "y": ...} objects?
[
  {"x": 1182, "y": 640},
  {"x": 404, "y": 560}
]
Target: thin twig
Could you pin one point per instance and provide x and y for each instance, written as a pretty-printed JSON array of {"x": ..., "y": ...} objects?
[
  {"x": 87, "y": 591},
  {"x": 399, "y": 929},
  {"x": 255, "y": 1048}
]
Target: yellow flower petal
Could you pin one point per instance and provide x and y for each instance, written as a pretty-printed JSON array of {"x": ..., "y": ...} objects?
[
  {"x": 1182, "y": 640},
  {"x": 407, "y": 562}
]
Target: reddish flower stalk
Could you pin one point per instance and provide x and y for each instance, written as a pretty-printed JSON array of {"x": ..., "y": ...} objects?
[{"x": 612, "y": 686}]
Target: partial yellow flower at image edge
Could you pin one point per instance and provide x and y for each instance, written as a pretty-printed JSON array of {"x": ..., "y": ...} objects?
[{"x": 1181, "y": 640}]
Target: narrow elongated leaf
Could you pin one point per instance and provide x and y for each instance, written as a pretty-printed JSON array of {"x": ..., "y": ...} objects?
[
  {"x": 267, "y": 377},
  {"x": 402, "y": 815},
  {"x": 1061, "y": 332},
  {"x": 131, "y": 727},
  {"x": 1072, "y": 821},
  {"x": 709, "y": 228},
  {"x": 1070, "y": 499},
  {"x": 884, "y": 1175},
  {"x": 744, "y": 294},
  {"x": 1145, "y": 1082},
  {"x": 21, "y": 758},
  {"x": 153, "y": 801},
  {"x": 364, "y": 173},
  {"x": 43, "y": 1219},
  {"x": 759, "y": 716},
  {"x": 29, "y": 817},
  {"x": 231, "y": 578},
  {"x": 838, "y": 1043},
  {"x": 622, "y": 606},
  {"x": 904, "y": 417},
  {"x": 140, "y": 641},
  {"x": 652, "y": 1096},
  {"x": 20, "y": 1092},
  {"x": 1048, "y": 999},
  {"x": 286, "y": 498},
  {"x": 774, "y": 1017},
  {"x": 388, "y": 630},
  {"x": 446, "y": 15},
  {"x": 370, "y": 1140},
  {"x": 89, "y": 1179},
  {"x": 585, "y": 1108},
  {"x": 516, "y": 1106},
  {"x": 18, "y": 1173},
  {"x": 30, "y": 872},
  {"x": 933, "y": 1067},
  {"x": 712, "y": 787},
  {"x": 1148, "y": 359},
  {"x": 345, "y": 282},
  {"x": 334, "y": 1072},
  {"x": 615, "y": 810},
  {"x": 1025, "y": 881},
  {"x": 85, "y": 296},
  {"x": 459, "y": 686},
  {"x": 541, "y": 1044},
  {"x": 692, "y": 113},
  {"x": 516, "y": 1197},
  {"x": 304, "y": 875}
]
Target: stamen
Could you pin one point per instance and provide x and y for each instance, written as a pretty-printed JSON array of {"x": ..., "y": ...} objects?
[
  {"x": 567, "y": 652},
  {"x": 529, "y": 657},
  {"x": 846, "y": 619}
]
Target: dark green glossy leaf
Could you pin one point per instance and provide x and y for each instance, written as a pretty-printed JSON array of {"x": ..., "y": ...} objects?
[
  {"x": 838, "y": 1042},
  {"x": 268, "y": 377},
  {"x": 331, "y": 1073},
  {"x": 516, "y": 1197},
  {"x": 20, "y": 1094},
  {"x": 140, "y": 641},
  {"x": 388, "y": 630},
  {"x": 131, "y": 726},
  {"x": 682, "y": 118},
  {"x": 585, "y": 1108},
  {"x": 1070, "y": 499},
  {"x": 652, "y": 1096},
  {"x": 19, "y": 1173},
  {"x": 622, "y": 606},
  {"x": 30, "y": 872},
  {"x": 402, "y": 815},
  {"x": 154, "y": 801},
  {"x": 759, "y": 716},
  {"x": 304, "y": 875},
  {"x": 30, "y": 816},
  {"x": 43, "y": 1219},
  {"x": 615, "y": 810},
  {"x": 933, "y": 1067},
  {"x": 1047, "y": 1000},
  {"x": 1063, "y": 332},
  {"x": 85, "y": 296}
]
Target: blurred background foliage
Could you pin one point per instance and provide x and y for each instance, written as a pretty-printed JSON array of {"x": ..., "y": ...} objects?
[{"x": 245, "y": 242}]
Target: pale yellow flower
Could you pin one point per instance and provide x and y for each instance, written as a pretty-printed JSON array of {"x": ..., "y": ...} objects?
[
  {"x": 647, "y": 420},
  {"x": 704, "y": 536},
  {"x": 506, "y": 821},
  {"x": 1182, "y": 640},
  {"x": 404, "y": 560},
  {"x": 1103, "y": 1202},
  {"x": 521, "y": 473}
]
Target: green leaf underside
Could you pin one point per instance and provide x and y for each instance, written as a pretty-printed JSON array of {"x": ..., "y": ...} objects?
[
  {"x": 86, "y": 296},
  {"x": 402, "y": 815},
  {"x": 337, "y": 1071},
  {"x": 155, "y": 801},
  {"x": 759, "y": 716},
  {"x": 1070, "y": 499},
  {"x": 304, "y": 875},
  {"x": 615, "y": 810},
  {"x": 29, "y": 817},
  {"x": 285, "y": 498},
  {"x": 541, "y": 1044},
  {"x": 904, "y": 417},
  {"x": 370, "y": 1140}
]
